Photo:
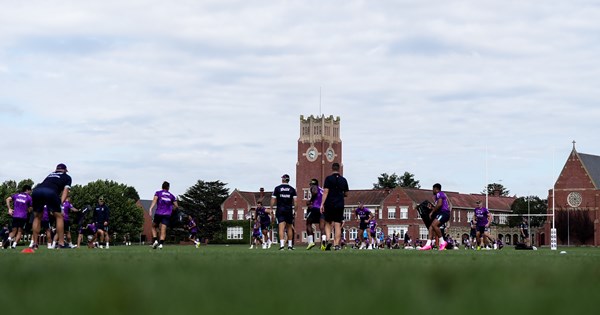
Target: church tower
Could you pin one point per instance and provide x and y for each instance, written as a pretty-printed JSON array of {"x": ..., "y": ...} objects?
[{"x": 319, "y": 146}]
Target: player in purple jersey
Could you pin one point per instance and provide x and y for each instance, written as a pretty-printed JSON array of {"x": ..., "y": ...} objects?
[
  {"x": 363, "y": 215},
  {"x": 256, "y": 234},
  {"x": 67, "y": 208},
  {"x": 165, "y": 203},
  {"x": 193, "y": 231},
  {"x": 90, "y": 232},
  {"x": 372, "y": 234},
  {"x": 286, "y": 199},
  {"x": 482, "y": 218},
  {"x": 51, "y": 192},
  {"x": 335, "y": 189},
  {"x": 264, "y": 216},
  {"x": 440, "y": 215},
  {"x": 22, "y": 206},
  {"x": 46, "y": 226},
  {"x": 313, "y": 213}
]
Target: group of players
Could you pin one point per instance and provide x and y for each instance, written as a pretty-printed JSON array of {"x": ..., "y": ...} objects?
[{"x": 47, "y": 211}]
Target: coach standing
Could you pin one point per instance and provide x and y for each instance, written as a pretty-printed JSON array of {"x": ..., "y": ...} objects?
[
  {"x": 334, "y": 192},
  {"x": 52, "y": 192},
  {"x": 286, "y": 198}
]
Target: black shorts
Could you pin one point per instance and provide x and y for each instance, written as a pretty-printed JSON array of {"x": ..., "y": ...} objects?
[
  {"x": 473, "y": 233},
  {"x": 100, "y": 226},
  {"x": 286, "y": 216},
  {"x": 45, "y": 225},
  {"x": 442, "y": 217},
  {"x": 481, "y": 229},
  {"x": 19, "y": 223},
  {"x": 526, "y": 235},
  {"x": 161, "y": 219},
  {"x": 265, "y": 226},
  {"x": 363, "y": 225},
  {"x": 373, "y": 234},
  {"x": 314, "y": 215},
  {"x": 45, "y": 197},
  {"x": 334, "y": 214}
]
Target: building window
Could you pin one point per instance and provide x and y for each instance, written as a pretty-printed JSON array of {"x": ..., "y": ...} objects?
[
  {"x": 404, "y": 213},
  {"x": 307, "y": 194},
  {"x": 380, "y": 216},
  {"x": 391, "y": 212},
  {"x": 240, "y": 214},
  {"x": 470, "y": 215},
  {"x": 453, "y": 216},
  {"x": 398, "y": 230},
  {"x": 235, "y": 233},
  {"x": 347, "y": 214},
  {"x": 423, "y": 232},
  {"x": 229, "y": 214},
  {"x": 305, "y": 212},
  {"x": 353, "y": 234}
]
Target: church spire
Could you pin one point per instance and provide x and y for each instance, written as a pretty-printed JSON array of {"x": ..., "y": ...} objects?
[{"x": 574, "y": 145}]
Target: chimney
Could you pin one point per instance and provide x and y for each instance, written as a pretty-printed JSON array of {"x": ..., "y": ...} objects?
[
  {"x": 496, "y": 192},
  {"x": 262, "y": 193}
]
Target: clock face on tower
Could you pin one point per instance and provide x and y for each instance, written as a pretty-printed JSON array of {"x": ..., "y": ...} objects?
[
  {"x": 330, "y": 154},
  {"x": 311, "y": 154},
  {"x": 574, "y": 199}
]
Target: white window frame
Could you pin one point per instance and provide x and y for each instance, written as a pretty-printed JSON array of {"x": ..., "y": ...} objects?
[
  {"x": 423, "y": 232},
  {"x": 348, "y": 213},
  {"x": 353, "y": 234},
  {"x": 240, "y": 214},
  {"x": 391, "y": 213},
  {"x": 235, "y": 233},
  {"x": 404, "y": 213},
  {"x": 306, "y": 193},
  {"x": 380, "y": 216},
  {"x": 400, "y": 229},
  {"x": 229, "y": 214}
]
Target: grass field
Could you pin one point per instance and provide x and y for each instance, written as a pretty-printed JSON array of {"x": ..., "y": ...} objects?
[{"x": 233, "y": 280}]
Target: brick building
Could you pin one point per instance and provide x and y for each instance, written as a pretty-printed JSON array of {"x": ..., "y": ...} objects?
[
  {"x": 319, "y": 146},
  {"x": 577, "y": 188}
]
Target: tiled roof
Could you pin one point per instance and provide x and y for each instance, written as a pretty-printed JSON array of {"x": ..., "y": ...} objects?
[
  {"x": 465, "y": 201},
  {"x": 368, "y": 196},
  {"x": 592, "y": 166}
]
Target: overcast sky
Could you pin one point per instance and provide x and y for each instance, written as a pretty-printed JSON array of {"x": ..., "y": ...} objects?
[{"x": 145, "y": 91}]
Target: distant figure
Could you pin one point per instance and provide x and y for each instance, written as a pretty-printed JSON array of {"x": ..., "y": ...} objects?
[
  {"x": 192, "y": 230},
  {"x": 285, "y": 197},
  {"x": 525, "y": 232},
  {"x": 482, "y": 217},
  {"x": 363, "y": 215},
  {"x": 264, "y": 215},
  {"x": 101, "y": 216},
  {"x": 314, "y": 215},
  {"x": 439, "y": 215}
]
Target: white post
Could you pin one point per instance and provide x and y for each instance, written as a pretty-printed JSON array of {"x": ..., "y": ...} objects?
[{"x": 553, "y": 230}]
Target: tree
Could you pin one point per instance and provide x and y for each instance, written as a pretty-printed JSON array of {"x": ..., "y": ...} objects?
[
  {"x": 408, "y": 180},
  {"x": 8, "y": 188},
  {"x": 203, "y": 202},
  {"x": 125, "y": 215},
  {"x": 494, "y": 188},
  {"x": 529, "y": 204},
  {"x": 387, "y": 181}
]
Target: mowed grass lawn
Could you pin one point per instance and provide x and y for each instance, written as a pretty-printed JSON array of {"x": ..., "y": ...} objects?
[{"x": 218, "y": 279}]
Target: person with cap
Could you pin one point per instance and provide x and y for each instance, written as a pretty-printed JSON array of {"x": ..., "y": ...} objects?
[
  {"x": 482, "y": 218},
  {"x": 22, "y": 206},
  {"x": 165, "y": 203},
  {"x": 313, "y": 214},
  {"x": 101, "y": 216},
  {"x": 285, "y": 197},
  {"x": 51, "y": 192},
  {"x": 335, "y": 189}
]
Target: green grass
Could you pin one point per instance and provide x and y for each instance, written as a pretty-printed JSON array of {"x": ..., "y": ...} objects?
[{"x": 235, "y": 280}]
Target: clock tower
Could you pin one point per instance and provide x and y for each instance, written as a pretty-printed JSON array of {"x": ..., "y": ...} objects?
[{"x": 319, "y": 146}]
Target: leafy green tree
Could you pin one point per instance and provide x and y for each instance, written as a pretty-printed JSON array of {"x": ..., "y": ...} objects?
[
  {"x": 125, "y": 215},
  {"x": 529, "y": 204},
  {"x": 387, "y": 181},
  {"x": 203, "y": 202},
  {"x": 7, "y": 189},
  {"x": 494, "y": 188},
  {"x": 408, "y": 180}
]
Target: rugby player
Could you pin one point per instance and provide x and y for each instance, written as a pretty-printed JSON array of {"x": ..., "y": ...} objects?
[
  {"x": 314, "y": 214},
  {"x": 363, "y": 215},
  {"x": 286, "y": 199},
  {"x": 51, "y": 193},
  {"x": 193, "y": 230},
  {"x": 23, "y": 204},
  {"x": 264, "y": 216},
  {"x": 334, "y": 192},
  {"x": 101, "y": 215},
  {"x": 440, "y": 215},
  {"x": 482, "y": 218},
  {"x": 165, "y": 203}
]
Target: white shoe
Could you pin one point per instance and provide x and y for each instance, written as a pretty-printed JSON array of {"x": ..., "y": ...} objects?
[
  {"x": 269, "y": 244},
  {"x": 264, "y": 246},
  {"x": 50, "y": 246},
  {"x": 107, "y": 247},
  {"x": 160, "y": 246},
  {"x": 155, "y": 245},
  {"x": 251, "y": 246}
]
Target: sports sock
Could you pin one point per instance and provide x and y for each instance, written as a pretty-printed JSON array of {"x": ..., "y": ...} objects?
[
  {"x": 311, "y": 239},
  {"x": 154, "y": 239},
  {"x": 428, "y": 243},
  {"x": 161, "y": 242},
  {"x": 282, "y": 243},
  {"x": 324, "y": 238},
  {"x": 290, "y": 243}
]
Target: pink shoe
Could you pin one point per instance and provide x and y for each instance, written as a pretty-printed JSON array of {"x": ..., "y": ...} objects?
[
  {"x": 426, "y": 247},
  {"x": 443, "y": 245}
]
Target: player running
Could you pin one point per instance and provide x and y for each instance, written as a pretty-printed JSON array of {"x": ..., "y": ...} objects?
[
  {"x": 482, "y": 218},
  {"x": 440, "y": 215},
  {"x": 193, "y": 230},
  {"x": 372, "y": 234},
  {"x": 165, "y": 203},
  {"x": 363, "y": 215},
  {"x": 264, "y": 216},
  {"x": 23, "y": 204}
]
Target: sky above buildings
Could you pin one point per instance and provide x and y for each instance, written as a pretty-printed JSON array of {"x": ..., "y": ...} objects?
[{"x": 455, "y": 92}]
